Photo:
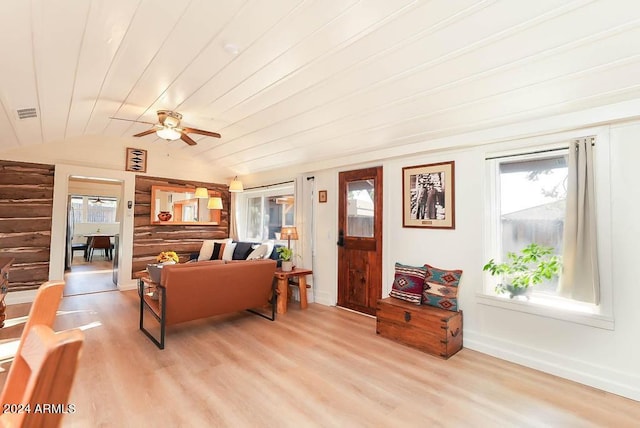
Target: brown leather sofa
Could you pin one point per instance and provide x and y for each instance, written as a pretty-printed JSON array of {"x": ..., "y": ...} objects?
[{"x": 192, "y": 291}]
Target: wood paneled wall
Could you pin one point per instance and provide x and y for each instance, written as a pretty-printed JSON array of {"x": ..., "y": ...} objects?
[
  {"x": 150, "y": 239},
  {"x": 26, "y": 204}
]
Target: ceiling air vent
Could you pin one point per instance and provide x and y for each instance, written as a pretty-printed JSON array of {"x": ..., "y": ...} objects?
[{"x": 26, "y": 113}]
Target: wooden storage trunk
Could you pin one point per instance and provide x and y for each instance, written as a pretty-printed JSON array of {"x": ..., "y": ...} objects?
[{"x": 427, "y": 328}]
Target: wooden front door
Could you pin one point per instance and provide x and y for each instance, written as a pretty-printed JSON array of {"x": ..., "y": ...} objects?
[{"x": 360, "y": 239}]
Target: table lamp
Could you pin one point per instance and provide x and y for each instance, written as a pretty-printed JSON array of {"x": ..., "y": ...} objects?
[{"x": 289, "y": 232}]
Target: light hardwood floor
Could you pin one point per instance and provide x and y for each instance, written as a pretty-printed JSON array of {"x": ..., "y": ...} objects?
[
  {"x": 322, "y": 367},
  {"x": 89, "y": 277}
]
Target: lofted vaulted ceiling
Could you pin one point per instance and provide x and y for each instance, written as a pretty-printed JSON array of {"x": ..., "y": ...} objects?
[{"x": 293, "y": 81}]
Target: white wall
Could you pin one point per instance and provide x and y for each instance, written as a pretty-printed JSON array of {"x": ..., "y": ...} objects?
[
  {"x": 603, "y": 358},
  {"x": 164, "y": 159}
]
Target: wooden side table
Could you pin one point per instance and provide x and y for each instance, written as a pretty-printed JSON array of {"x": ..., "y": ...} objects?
[
  {"x": 145, "y": 284},
  {"x": 283, "y": 284}
]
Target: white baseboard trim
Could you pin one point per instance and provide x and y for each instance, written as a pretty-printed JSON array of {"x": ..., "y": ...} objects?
[
  {"x": 129, "y": 285},
  {"x": 18, "y": 297},
  {"x": 324, "y": 298},
  {"x": 28, "y": 296},
  {"x": 599, "y": 377}
]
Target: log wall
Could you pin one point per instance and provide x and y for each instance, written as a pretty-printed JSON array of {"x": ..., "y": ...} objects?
[
  {"x": 26, "y": 204},
  {"x": 150, "y": 239}
]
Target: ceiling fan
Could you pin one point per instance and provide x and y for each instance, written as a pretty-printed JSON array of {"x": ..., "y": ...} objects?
[{"x": 169, "y": 128}]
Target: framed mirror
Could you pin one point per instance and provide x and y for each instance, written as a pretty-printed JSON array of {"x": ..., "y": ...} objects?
[{"x": 180, "y": 206}]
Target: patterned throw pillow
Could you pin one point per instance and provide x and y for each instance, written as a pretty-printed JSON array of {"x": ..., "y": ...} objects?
[
  {"x": 408, "y": 283},
  {"x": 218, "y": 250},
  {"x": 441, "y": 288},
  {"x": 207, "y": 248}
]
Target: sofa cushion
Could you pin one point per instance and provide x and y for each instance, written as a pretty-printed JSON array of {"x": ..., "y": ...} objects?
[
  {"x": 441, "y": 288},
  {"x": 260, "y": 252},
  {"x": 408, "y": 283},
  {"x": 242, "y": 250},
  {"x": 229, "y": 249},
  {"x": 270, "y": 243},
  {"x": 218, "y": 251},
  {"x": 207, "y": 248}
]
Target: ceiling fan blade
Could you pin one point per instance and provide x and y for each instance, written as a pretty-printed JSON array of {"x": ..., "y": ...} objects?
[
  {"x": 147, "y": 132},
  {"x": 131, "y": 120},
  {"x": 201, "y": 132},
  {"x": 184, "y": 137}
]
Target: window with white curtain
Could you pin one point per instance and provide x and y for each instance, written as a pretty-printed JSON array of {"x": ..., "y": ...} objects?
[
  {"x": 263, "y": 211},
  {"x": 534, "y": 200},
  {"x": 531, "y": 204},
  {"x": 94, "y": 209}
]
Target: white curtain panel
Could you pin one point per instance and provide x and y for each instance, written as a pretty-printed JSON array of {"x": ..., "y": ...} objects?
[
  {"x": 580, "y": 279},
  {"x": 233, "y": 222}
]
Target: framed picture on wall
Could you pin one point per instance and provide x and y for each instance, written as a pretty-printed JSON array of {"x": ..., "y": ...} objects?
[
  {"x": 428, "y": 196},
  {"x": 322, "y": 196},
  {"x": 136, "y": 160}
]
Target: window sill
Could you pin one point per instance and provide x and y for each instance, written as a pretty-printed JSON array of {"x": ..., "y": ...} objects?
[{"x": 549, "y": 307}]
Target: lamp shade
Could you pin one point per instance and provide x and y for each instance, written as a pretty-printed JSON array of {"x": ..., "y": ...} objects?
[
  {"x": 201, "y": 192},
  {"x": 289, "y": 233},
  {"x": 215, "y": 203},
  {"x": 236, "y": 185}
]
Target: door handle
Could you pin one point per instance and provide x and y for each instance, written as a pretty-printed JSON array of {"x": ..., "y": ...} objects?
[{"x": 341, "y": 238}]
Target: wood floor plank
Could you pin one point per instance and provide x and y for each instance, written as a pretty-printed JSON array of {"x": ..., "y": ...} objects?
[
  {"x": 89, "y": 277},
  {"x": 321, "y": 367}
]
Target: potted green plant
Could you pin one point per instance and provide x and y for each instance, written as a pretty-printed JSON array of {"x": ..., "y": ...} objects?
[
  {"x": 532, "y": 265},
  {"x": 286, "y": 254}
]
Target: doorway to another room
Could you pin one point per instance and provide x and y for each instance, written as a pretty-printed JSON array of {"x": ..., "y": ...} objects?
[{"x": 93, "y": 227}]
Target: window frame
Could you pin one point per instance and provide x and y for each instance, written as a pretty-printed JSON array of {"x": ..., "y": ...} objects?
[
  {"x": 84, "y": 216},
  {"x": 600, "y": 316},
  {"x": 263, "y": 193}
]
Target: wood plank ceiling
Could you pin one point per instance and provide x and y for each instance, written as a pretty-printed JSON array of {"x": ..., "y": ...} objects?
[{"x": 297, "y": 81}]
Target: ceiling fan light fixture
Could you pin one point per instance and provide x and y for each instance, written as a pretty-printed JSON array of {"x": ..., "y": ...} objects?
[
  {"x": 236, "y": 185},
  {"x": 169, "y": 134},
  {"x": 171, "y": 122},
  {"x": 168, "y": 128}
]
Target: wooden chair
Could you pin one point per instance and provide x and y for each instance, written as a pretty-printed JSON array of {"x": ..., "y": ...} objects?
[
  {"x": 52, "y": 360},
  {"x": 100, "y": 242},
  {"x": 42, "y": 312}
]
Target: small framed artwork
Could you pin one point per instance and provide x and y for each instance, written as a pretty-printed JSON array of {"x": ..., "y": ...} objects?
[
  {"x": 428, "y": 196},
  {"x": 322, "y": 196},
  {"x": 136, "y": 160}
]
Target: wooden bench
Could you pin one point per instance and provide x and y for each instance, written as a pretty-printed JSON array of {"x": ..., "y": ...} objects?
[{"x": 427, "y": 328}]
